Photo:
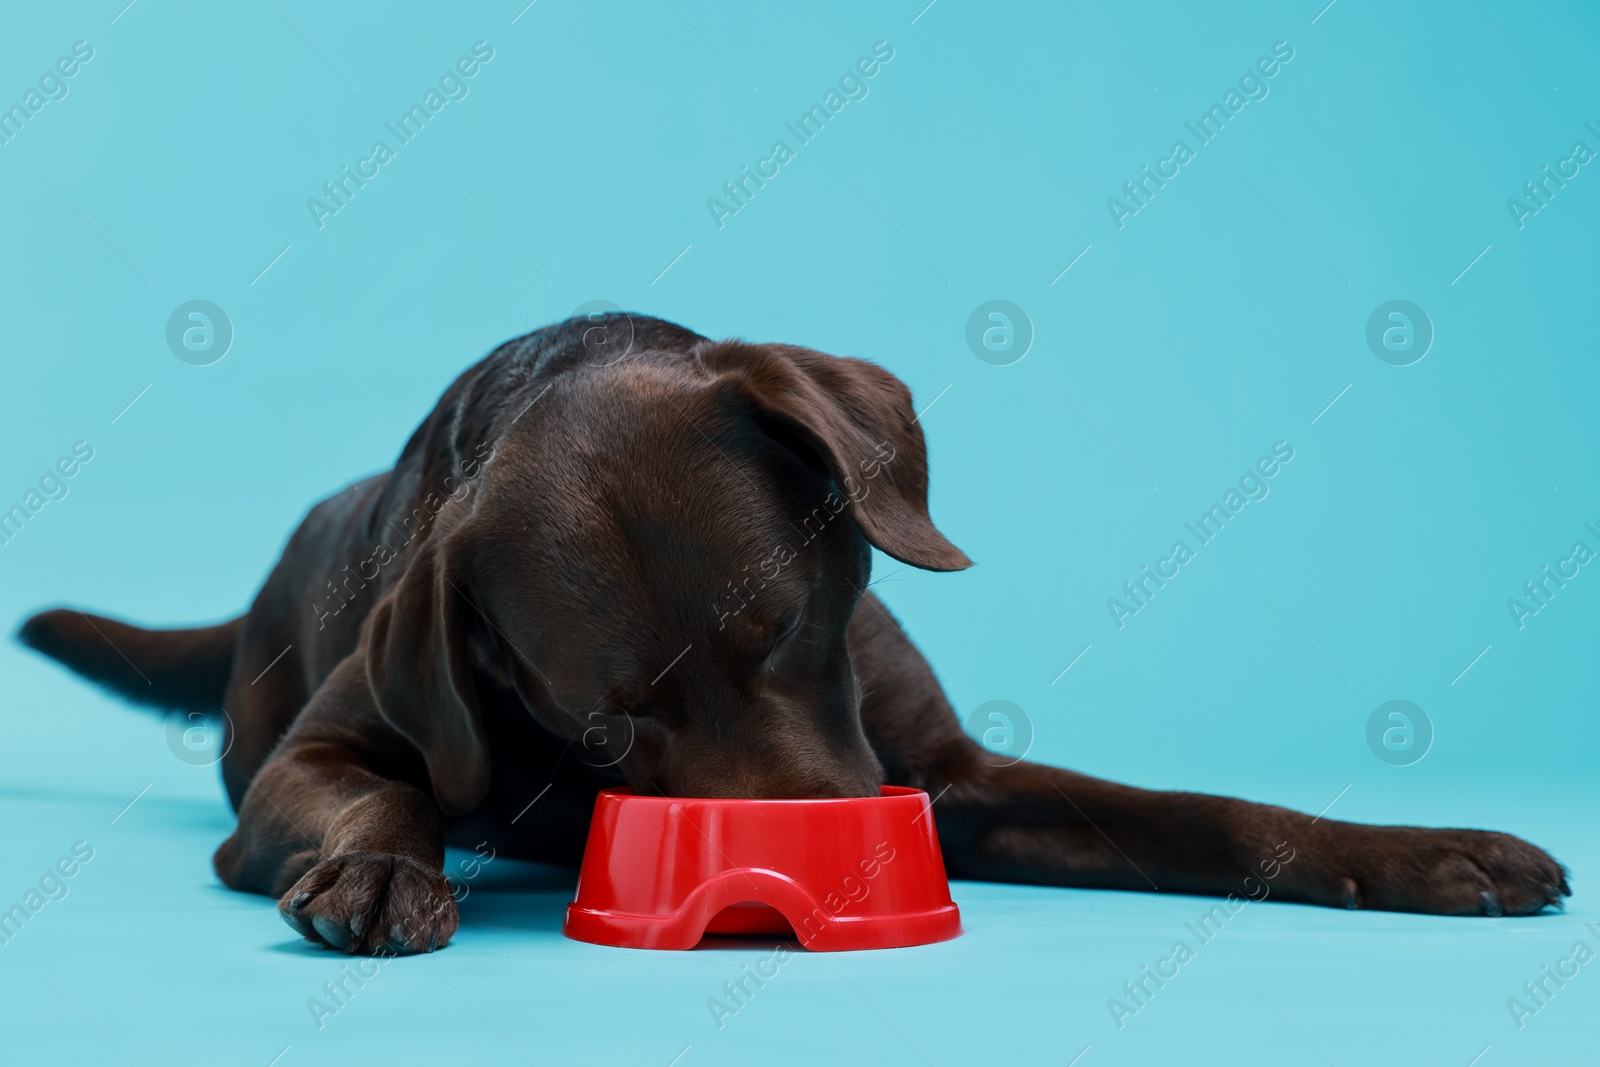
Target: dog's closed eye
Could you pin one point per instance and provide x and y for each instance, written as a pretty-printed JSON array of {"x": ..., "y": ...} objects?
[
  {"x": 786, "y": 628},
  {"x": 785, "y": 631}
]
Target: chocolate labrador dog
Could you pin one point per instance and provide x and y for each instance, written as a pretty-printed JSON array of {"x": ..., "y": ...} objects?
[{"x": 619, "y": 553}]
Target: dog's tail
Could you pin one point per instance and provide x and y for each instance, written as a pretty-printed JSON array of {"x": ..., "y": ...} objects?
[{"x": 181, "y": 670}]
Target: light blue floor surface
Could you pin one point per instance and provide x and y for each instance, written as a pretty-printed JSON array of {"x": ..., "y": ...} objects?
[{"x": 148, "y": 960}]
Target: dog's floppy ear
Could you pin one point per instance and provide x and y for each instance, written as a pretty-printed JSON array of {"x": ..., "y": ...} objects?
[
  {"x": 420, "y": 673},
  {"x": 859, "y": 420}
]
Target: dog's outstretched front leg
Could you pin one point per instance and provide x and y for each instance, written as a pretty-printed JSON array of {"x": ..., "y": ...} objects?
[
  {"x": 1031, "y": 823},
  {"x": 340, "y": 826}
]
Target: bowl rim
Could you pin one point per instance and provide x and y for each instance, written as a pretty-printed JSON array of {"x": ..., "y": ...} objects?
[{"x": 886, "y": 794}]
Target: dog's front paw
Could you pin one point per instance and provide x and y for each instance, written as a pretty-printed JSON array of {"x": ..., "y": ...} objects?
[
  {"x": 373, "y": 904},
  {"x": 1449, "y": 872}
]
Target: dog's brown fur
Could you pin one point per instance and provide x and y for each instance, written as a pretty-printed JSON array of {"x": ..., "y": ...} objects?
[{"x": 648, "y": 567}]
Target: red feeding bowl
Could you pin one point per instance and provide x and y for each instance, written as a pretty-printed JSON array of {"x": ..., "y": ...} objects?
[{"x": 863, "y": 872}]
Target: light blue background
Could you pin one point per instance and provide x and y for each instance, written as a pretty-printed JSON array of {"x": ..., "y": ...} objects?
[{"x": 1224, "y": 317}]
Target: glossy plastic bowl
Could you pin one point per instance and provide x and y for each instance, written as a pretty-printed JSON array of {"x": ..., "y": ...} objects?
[{"x": 660, "y": 872}]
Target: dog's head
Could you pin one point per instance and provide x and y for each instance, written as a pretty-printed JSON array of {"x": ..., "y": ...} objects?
[{"x": 661, "y": 560}]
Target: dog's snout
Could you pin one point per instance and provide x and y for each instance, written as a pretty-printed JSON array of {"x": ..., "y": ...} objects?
[
  {"x": 733, "y": 745},
  {"x": 756, "y": 786},
  {"x": 792, "y": 773}
]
